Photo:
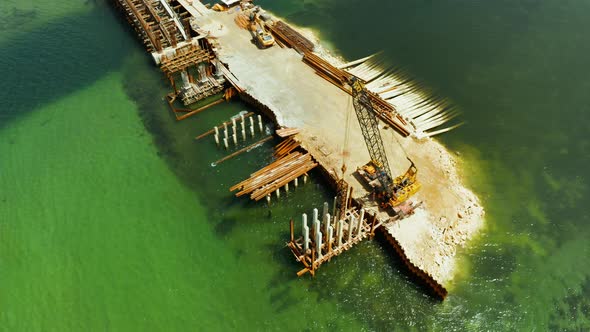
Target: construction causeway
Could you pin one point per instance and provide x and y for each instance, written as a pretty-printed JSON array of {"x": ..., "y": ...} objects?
[{"x": 209, "y": 55}]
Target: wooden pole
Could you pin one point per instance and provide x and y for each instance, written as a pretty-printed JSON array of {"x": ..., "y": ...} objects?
[
  {"x": 373, "y": 226},
  {"x": 198, "y": 110},
  {"x": 291, "y": 227},
  {"x": 242, "y": 150}
]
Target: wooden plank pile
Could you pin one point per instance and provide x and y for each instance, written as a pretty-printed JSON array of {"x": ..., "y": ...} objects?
[
  {"x": 285, "y": 147},
  {"x": 326, "y": 70},
  {"x": 274, "y": 176},
  {"x": 286, "y": 132},
  {"x": 291, "y": 38}
]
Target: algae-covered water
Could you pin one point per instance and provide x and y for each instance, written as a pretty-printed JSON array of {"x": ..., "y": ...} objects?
[{"x": 112, "y": 217}]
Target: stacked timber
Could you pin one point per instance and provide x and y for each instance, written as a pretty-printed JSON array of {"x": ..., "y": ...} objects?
[
  {"x": 326, "y": 70},
  {"x": 286, "y": 132},
  {"x": 340, "y": 78},
  {"x": 291, "y": 38},
  {"x": 285, "y": 147},
  {"x": 278, "y": 174},
  {"x": 398, "y": 98}
]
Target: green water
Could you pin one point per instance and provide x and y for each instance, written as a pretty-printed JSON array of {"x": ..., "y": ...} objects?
[{"x": 112, "y": 218}]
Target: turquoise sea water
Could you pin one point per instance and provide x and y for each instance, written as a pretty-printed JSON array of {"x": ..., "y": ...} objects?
[{"x": 112, "y": 218}]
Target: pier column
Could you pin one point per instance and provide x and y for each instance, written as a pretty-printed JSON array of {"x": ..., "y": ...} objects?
[
  {"x": 225, "y": 143},
  {"x": 334, "y": 207},
  {"x": 268, "y": 199},
  {"x": 296, "y": 182},
  {"x": 216, "y": 131},
  {"x": 304, "y": 178},
  {"x": 260, "y": 124},
  {"x": 217, "y": 72},
  {"x": 318, "y": 242},
  {"x": 278, "y": 192},
  {"x": 329, "y": 241},
  {"x": 217, "y": 139},
  {"x": 305, "y": 230},
  {"x": 340, "y": 232},
  {"x": 327, "y": 219},
  {"x": 202, "y": 72},
  {"x": 185, "y": 79},
  {"x": 251, "y": 126},
  {"x": 350, "y": 228},
  {"x": 362, "y": 216},
  {"x": 315, "y": 216},
  {"x": 235, "y": 136},
  {"x": 315, "y": 223},
  {"x": 305, "y": 239},
  {"x": 225, "y": 131},
  {"x": 287, "y": 187},
  {"x": 325, "y": 212},
  {"x": 243, "y": 134}
]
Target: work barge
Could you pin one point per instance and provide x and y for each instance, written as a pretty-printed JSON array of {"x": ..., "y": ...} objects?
[{"x": 209, "y": 56}]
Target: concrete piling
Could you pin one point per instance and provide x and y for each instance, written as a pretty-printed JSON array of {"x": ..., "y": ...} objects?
[
  {"x": 350, "y": 229},
  {"x": 325, "y": 213},
  {"x": 260, "y": 124},
  {"x": 360, "y": 223},
  {"x": 334, "y": 207},
  {"x": 340, "y": 232},
  {"x": 330, "y": 240},
  {"x": 327, "y": 226},
  {"x": 318, "y": 242}
]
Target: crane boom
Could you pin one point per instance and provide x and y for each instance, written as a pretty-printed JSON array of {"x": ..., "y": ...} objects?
[{"x": 370, "y": 128}]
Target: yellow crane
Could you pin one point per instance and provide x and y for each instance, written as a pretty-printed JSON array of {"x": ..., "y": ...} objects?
[{"x": 390, "y": 191}]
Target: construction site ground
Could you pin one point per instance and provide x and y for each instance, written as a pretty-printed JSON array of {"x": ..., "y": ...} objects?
[{"x": 299, "y": 98}]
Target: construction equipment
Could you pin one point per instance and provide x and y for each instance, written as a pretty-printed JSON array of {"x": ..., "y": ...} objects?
[
  {"x": 391, "y": 192},
  {"x": 262, "y": 37}
]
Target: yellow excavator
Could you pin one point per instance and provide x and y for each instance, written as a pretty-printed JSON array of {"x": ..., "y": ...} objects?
[
  {"x": 390, "y": 191},
  {"x": 262, "y": 37}
]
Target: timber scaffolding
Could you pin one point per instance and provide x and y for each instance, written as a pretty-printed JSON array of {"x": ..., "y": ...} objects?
[
  {"x": 338, "y": 236},
  {"x": 185, "y": 57},
  {"x": 159, "y": 24}
]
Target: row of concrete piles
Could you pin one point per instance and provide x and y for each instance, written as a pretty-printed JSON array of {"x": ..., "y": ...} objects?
[
  {"x": 234, "y": 129},
  {"x": 315, "y": 246}
]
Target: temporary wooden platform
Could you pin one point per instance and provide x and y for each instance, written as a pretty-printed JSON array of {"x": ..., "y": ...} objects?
[
  {"x": 338, "y": 236},
  {"x": 158, "y": 24}
]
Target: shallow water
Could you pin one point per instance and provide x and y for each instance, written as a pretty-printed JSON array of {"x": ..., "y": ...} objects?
[{"x": 111, "y": 217}]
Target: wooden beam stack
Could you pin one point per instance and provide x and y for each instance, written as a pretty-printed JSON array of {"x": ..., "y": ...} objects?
[
  {"x": 274, "y": 176},
  {"x": 291, "y": 38}
]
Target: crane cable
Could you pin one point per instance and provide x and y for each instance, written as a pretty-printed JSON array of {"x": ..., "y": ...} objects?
[{"x": 345, "y": 146}]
